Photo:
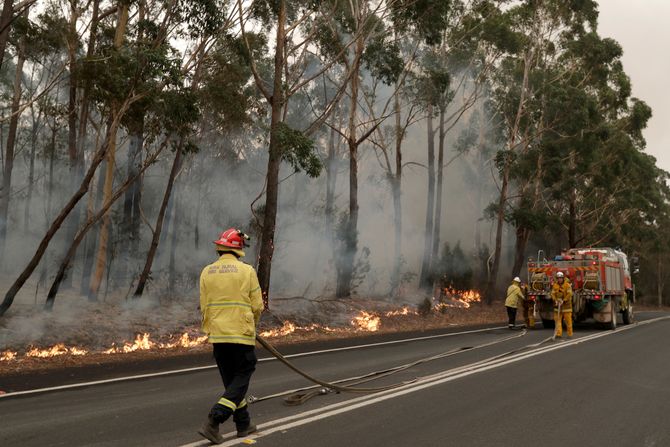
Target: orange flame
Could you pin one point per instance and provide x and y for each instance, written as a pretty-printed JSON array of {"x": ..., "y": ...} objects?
[
  {"x": 286, "y": 329},
  {"x": 363, "y": 321},
  {"x": 459, "y": 298},
  {"x": 289, "y": 328},
  {"x": 56, "y": 350},
  {"x": 367, "y": 321},
  {"x": 7, "y": 356},
  {"x": 142, "y": 343},
  {"x": 185, "y": 341},
  {"x": 404, "y": 311}
]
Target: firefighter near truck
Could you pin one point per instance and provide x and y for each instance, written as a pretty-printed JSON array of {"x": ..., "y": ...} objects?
[{"x": 601, "y": 280}]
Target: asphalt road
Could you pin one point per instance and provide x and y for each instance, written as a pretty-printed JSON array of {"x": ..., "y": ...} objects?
[{"x": 603, "y": 388}]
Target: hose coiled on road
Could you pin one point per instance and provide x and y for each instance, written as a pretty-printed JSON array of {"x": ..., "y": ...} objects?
[
  {"x": 299, "y": 396},
  {"x": 329, "y": 385}
]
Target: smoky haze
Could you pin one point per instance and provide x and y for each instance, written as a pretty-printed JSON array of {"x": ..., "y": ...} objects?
[
  {"x": 214, "y": 191},
  {"x": 216, "y": 188}
]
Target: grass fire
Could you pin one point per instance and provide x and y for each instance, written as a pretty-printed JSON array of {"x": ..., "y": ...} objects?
[{"x": 361, "y": 321}]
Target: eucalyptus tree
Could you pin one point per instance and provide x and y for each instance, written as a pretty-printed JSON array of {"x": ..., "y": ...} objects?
[
  {"x": 15, "y": 115},
  {"x": 298, "y": 28},
  {"x": 388, "y": 141},
  {"x": 10, "y": 12},
  {"x": 454, "y": 75},
  {"x": 118, "y": 80},
  {"x": 522, "y": 85},
  {"x": 35, "y": 42},
  {"x": 572, "y": 108}
]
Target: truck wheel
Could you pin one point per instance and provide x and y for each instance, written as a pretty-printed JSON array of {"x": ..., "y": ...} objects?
[
  {"x": 613, "y": 313},
  {"x": 548, "y": 324},
  {"x": 628, "y": 316}
]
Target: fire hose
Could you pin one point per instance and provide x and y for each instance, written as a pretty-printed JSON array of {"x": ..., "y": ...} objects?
[
  {"x": 558, "y": 321},
  {"x": 322, "y": 387}
]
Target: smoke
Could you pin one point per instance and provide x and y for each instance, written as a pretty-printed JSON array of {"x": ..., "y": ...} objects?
[{"x": 214, "y": 191}]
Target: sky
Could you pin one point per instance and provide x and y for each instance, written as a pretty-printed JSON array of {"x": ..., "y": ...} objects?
[{"x": 642, "y": 29}]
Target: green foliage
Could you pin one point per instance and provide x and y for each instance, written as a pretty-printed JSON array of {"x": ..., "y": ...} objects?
[
  {"x": 226, "y": 93},
  {"x": 433, "y": 84},
  {"x": 177, "y": 111},
  {"x": 428, "y": 19},
  {"x": 383, "y": 60},
  {"x": 503, "y": 158},
  {"x": 494, "y": 28},
  {"x": 201, "y": 17},
  {"x": 122, "y": 72},
  {"x": 298, "y": 150}
]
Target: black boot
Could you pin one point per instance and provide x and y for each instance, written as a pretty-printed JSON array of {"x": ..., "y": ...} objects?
[
  {"x": 246, "y": 431},
  {"x": 210, "y": 430}
]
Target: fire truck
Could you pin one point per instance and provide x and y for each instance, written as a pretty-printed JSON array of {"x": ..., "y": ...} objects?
[{"x": 601, "y": 282}]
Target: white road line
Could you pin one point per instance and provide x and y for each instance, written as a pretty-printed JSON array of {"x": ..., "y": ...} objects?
[
  {"x": 307, "y": 417},
  {"x": 265, "y": 359}
]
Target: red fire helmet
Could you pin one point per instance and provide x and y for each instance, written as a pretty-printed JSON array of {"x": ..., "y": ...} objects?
[{"x": 233, "y": 238}]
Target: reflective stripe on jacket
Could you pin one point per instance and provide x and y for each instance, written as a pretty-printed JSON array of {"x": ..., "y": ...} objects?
[
  {"x": 562, "y": 292},
  {"x": 230, "y": 301},
  {"x": 514, "y": 294}
]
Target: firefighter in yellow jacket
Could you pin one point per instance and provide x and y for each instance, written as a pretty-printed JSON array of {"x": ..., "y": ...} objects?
[
  {"x": 231, "y": 304},
  {"x": 512, "y": 301},
  {"x": 528, "y": 307},
  {"x": 561, "y": 295}
]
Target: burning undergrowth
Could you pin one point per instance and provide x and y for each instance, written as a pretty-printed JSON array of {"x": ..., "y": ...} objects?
[{"x": 108, "y": 332}]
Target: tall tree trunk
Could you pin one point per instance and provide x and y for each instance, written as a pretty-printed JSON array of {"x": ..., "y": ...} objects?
[
  {"x": 523, "y": 232},
  {"x": 5, "y": 26},
  {"x": 274, "y": 161},
  {"x": 196, "y": 232},
  {"x": 72, "y": 43},
  {"x": 438, "y": 194},
  {"x": 91, "y": 239},
  {"x": 163, "y": 256},
  {"x": 502, "y": 201},
  {"x": 82, "y": 140},
  {"x": 155, "y": 240},
  {"x": 49, "y": 189},
  {"x": 85, "y": 96},
  {"x": 131, "y": 203},
  {"x": 53, "y": 228},
  {"x": 350, "y": 236},
  {"x": 101, "y": 257},
  {"x": 172, "y": 270},
  {"x": 396, "y": 191},
  {"x": 103, "y": 235},
  {"x": 479, "y": 192},
  {"x": 331, "y": 182},
  {"x": 500, "y": 222},
  {"x": 426, "y": 273},
  {"x": 31, "y": 180},
  {"x": 73, "y": 152},
  {"x": 31, "y": 164},
  {"x": 5, "y": 194},
  {"x": 572, "y": 206},
  {"x": 522, "y": 237}
]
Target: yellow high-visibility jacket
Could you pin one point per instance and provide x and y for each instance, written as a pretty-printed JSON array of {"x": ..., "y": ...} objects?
[
  {"x": 562, "y": 292},
  {"x": 514, "y": 296},
  {"x": 230, "y": 301}
]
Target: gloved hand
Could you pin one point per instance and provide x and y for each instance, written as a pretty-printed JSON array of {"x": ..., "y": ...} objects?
[{"x": 560, "y": 302}]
